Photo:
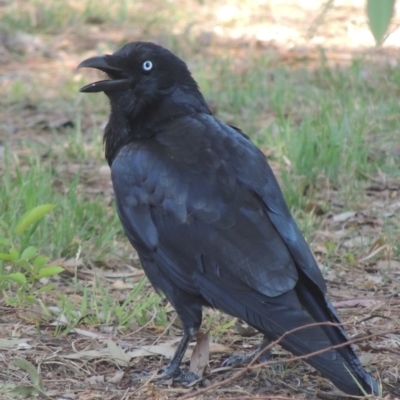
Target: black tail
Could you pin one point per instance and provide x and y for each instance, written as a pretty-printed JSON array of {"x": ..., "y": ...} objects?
[
  {"x": 276, "y": 316},
  {"x": 322, "y": 310}
]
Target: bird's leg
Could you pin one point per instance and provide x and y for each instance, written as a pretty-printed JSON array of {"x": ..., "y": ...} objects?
[
  {"x": 173, "y": 370},
  {"x": 237, "y": 360},
  {"x": 189, "y": 310}
]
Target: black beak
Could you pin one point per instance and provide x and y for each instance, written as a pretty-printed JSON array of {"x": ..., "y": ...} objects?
[{"x": 117, "y": 80}]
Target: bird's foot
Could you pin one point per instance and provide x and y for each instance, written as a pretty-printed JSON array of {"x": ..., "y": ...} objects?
[
  {"x": 143, "y": 375},
  {"x": 187, "y": 378},
  {"x": 168, "y": 374},
  {"x": 171, "y": 371},
  {"x": 238, "y": 360}
]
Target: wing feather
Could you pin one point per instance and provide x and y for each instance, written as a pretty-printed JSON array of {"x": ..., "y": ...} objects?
[{"x": 177, "y": 211}]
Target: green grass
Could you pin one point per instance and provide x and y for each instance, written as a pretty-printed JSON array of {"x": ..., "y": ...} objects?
[
  {"x": 99, "y": 307},
  {"x": 77, "y": 221},
  {"x": 321, "y": 121},
  {"x": 52, "y": 16}
]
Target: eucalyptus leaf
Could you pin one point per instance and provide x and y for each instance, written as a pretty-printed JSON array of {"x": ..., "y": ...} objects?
[
  {"x": 31, "y": 371},
  {"x": 23, "y": 391},
  {"x": 380, "y": 13},
  {"x": 32, "y": 216}
]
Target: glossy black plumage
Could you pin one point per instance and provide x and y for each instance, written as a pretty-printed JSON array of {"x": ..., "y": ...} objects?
[{"x": 201, "y": 206}]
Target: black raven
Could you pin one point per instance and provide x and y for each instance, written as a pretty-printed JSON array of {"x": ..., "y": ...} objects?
[{"x": 202, "y": 207}]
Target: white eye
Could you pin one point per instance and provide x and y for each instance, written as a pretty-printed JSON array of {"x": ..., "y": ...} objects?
[{"x": 147, "y": 66}]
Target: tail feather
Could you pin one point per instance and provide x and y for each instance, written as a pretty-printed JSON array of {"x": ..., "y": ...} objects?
[
  {"x": 276, "y": 316},
  {"x": 321, "y": 310},
  {"x": 346, "y": 372}
]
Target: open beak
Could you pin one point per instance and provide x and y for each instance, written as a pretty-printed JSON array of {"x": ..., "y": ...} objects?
[{"x": 104, "y": 63}]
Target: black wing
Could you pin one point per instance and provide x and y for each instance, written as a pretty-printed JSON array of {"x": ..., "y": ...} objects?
[{"x": 199, "y": 192}]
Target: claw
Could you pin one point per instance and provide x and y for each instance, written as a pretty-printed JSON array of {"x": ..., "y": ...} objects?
[
  {"x": 177, "y": 375},
  {"x": 242, "y": 359},
  {"x": 188, "y": 378},
  {"x": 143, "y": 375},
  {"x": 237, "y": 360}
]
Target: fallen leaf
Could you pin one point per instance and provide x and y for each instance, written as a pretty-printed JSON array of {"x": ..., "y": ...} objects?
[
  {"x": 95, "y": 379},
  {"x": 319, "y": 248},
  {"x": 166, "y": 349},
  {"x": 86, "y": 333},
  {"x": 17, "y": 343},
  {"x": 395, "y": 206},
  {"x": 121, "y": 285},
  {"x": 344, "y": 216},
  {"x": 32, "y": 373},
  {"x": 118, "y": 354},
  {"x": 30, "y": 369},
  {"x": 374, "y": 253},
  {"x": 357, "y": 303},
  {"x": 21, "y": 391},
  {"x": 358, "y": 241},
  {"x": 87, "y": 354},
  {"x": 60, "y": 321},
  {"x": 117, "y": 377},
  {"x": 105, "y": 170},
  {"x": 219, "y": 348},
  {"x": 316, "y": 208},
  {"x": 367, "y": 358},
  {"x": 61, "y": 123},
  {"x": 389, "y": 265},
  {"x": 200, "y": 355},
  {"x": 244, "y": 329},
  {"x": 136, "y": 272},
  {"x": 375, "y": 278}
]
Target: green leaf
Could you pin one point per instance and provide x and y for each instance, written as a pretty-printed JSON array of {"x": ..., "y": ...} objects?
[
  {"x": 4, "y": 241},
  {"x": 39, "y": 262},
  {"x": 29, "y": 253},
  {"x": 46, "y": 288},
  {"x": 49, "y": 271},
  {"x": 11, "y": 256},
  {"x": 5, "y": 256},
  {"x": 14, "y": 253},
  {"x": 12, "y": 301},
  {"x": 27, "y": 299},
  {"x": 43, "y": 308},
  {"x": 380, "y": 13},
  {"x": 4, "y": 225},
  {"x": 26, "y": 265},
  {"x": 23, "y": 391},
  {"x": 32, "y": 216},
  {"x": 17, "y": 277},
  {"x": 32, "y": 372}
]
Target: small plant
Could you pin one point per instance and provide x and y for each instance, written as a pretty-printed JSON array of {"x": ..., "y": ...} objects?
[{"x": 21, "y": 265}]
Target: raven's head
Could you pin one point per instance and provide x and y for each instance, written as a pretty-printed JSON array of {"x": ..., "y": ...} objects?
[{"x": 142, "y": 74}]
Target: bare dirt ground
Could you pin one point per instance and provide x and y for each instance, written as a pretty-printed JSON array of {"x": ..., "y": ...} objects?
[{"x": 91, "y": 362}]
